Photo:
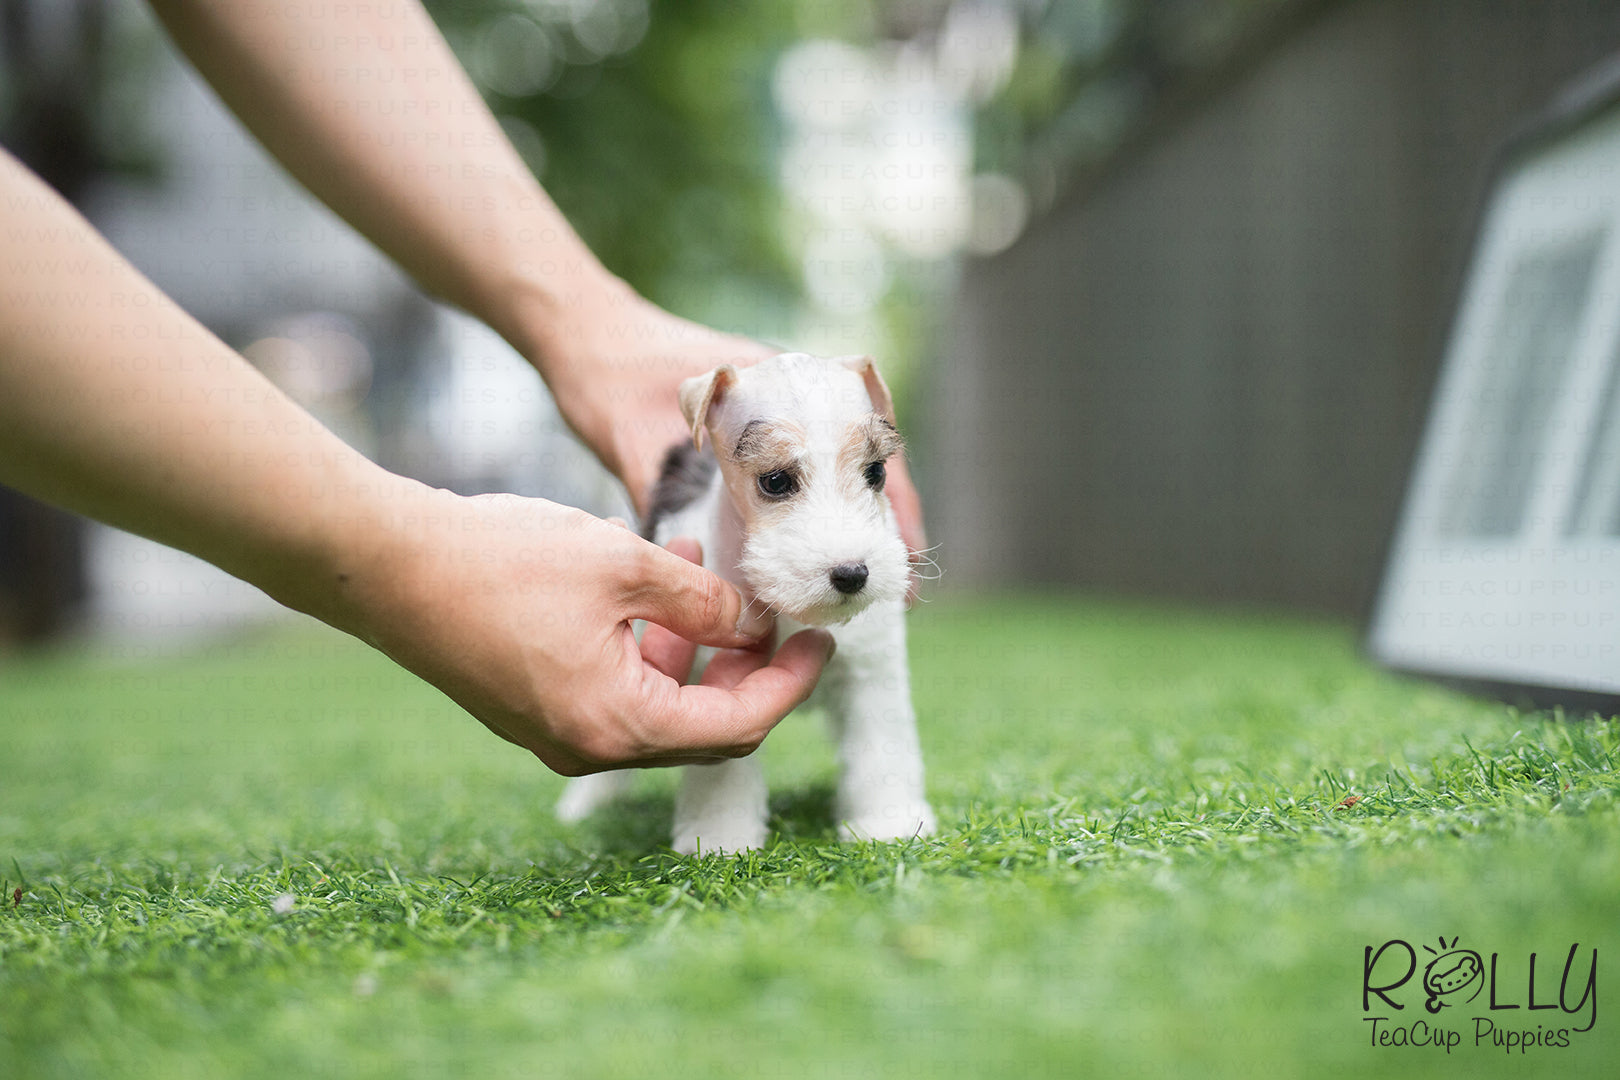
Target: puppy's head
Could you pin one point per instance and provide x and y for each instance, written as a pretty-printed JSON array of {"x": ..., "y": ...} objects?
[{"x": 802, "y": 443}]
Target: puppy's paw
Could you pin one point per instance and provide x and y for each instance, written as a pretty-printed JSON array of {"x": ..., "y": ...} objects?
[
  {"x": 900, "y": 821},
  {"x": 722, "y": 837}
]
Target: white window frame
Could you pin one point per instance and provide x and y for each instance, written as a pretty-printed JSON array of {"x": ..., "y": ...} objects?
[{"x": 1538, "y": 610}]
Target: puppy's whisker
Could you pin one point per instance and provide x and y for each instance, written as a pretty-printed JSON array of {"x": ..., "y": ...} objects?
[
  {"x": 764, "y": 607},
  {"x": 925, "y": 566}
]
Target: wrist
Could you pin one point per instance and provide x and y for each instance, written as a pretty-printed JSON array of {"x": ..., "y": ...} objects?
[
  {"x": 360, "y": 551},
  {"x": 556, "y": 313},
  {"x": 577, "y": 337},
  {"x": 540, "y": 284}
]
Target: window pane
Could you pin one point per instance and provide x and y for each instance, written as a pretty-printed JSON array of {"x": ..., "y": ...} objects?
[
  {"x": 1597, "y": 500},
  {"x": 1522, "y": 373}
]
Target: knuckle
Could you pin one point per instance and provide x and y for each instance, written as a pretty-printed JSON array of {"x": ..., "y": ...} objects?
[
  {"x": 638, "y": 566},
  {"x": 710, "y": 601},
  {"x": 745, "y": 744}
]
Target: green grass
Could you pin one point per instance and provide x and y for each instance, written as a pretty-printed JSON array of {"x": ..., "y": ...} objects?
[{"x": 1145, "y": 867}]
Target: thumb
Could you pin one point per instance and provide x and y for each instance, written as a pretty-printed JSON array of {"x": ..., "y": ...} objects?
[{"x": 693, "y": 602}]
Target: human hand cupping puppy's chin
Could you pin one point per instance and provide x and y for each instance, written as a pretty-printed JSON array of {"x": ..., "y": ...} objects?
[{"x": 520, "y": 610}]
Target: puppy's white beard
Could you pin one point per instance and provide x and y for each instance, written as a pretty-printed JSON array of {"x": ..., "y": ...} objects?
[{"x": 787, "y": 566}]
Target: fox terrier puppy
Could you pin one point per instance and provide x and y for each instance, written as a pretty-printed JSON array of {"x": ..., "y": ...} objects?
[{"x": 790, "y": 509}]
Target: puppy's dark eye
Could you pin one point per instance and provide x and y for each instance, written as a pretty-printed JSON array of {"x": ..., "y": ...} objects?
[
  {"x": 779, "y": 484},
  {"x": 876, "y": 473}
]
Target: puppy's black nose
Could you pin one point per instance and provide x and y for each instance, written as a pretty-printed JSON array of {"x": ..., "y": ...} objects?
[{"x": 849, "y": 578}]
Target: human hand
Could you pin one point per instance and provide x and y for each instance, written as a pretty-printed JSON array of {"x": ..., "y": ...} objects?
[
  {"x": 520, "y": 610},
  {"x": 614, "y": 365}
]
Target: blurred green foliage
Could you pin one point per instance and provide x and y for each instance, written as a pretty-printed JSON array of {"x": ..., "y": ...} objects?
[{"x": 654, "y": 130}]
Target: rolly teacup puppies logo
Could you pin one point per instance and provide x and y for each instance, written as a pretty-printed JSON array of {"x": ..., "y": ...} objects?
[
  {"x": 1450, "y": 974},
  {"x": 1505, "y": 1002}
]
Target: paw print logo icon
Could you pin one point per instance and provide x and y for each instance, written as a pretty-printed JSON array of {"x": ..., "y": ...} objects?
[{"x": 1451, "y": 974}]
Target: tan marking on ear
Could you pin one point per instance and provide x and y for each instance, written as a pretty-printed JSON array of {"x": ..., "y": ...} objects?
[
  {"x": 876, "y": 389},
  {"x": 698, "y": 393}
]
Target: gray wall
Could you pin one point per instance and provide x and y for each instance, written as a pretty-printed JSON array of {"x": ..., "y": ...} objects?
[{"x": 1202, "y": 376}]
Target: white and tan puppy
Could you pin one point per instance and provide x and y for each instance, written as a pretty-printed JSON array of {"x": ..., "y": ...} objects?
[{"x": 790, "y": 508}]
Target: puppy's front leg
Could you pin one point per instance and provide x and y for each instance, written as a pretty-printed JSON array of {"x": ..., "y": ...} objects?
[
  {"x": 880, "y": 786},
  {"x": 721, "y": 807}
]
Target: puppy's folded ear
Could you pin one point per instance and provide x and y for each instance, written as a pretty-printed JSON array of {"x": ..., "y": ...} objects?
[
  {"x": 876, "y": 388},
  {"x": 698, "y": 393}
]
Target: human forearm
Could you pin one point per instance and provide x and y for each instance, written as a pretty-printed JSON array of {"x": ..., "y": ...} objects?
[
  {"x": 115, "y": 403},
  {"x": 366, "y": 105}
]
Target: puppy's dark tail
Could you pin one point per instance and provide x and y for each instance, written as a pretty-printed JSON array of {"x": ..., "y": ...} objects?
[{"x": 686, "y": 475}]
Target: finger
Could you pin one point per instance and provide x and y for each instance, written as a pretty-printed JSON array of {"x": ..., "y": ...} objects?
[
  {"x": 665, "y": 589},
  {"x": 665, "y": 650},
  {"x": 670, "y": 761},
  {"x": 742, "y": 697},
  {"x": 577, "y": 767},
  {"x": 729, "y": 667},
  {"x": 619, "y": 521}
]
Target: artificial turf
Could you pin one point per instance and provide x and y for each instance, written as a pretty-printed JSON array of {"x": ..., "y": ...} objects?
[{"x": 1166, "y": 840}]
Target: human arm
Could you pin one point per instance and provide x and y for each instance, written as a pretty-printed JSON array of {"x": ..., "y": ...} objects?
[
  {"x": 115, "y": 403},
  {"x": 366, "y": 105}
]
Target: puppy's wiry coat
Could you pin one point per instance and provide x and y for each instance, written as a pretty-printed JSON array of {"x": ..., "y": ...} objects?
[{"x": 790, "y": 508}]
